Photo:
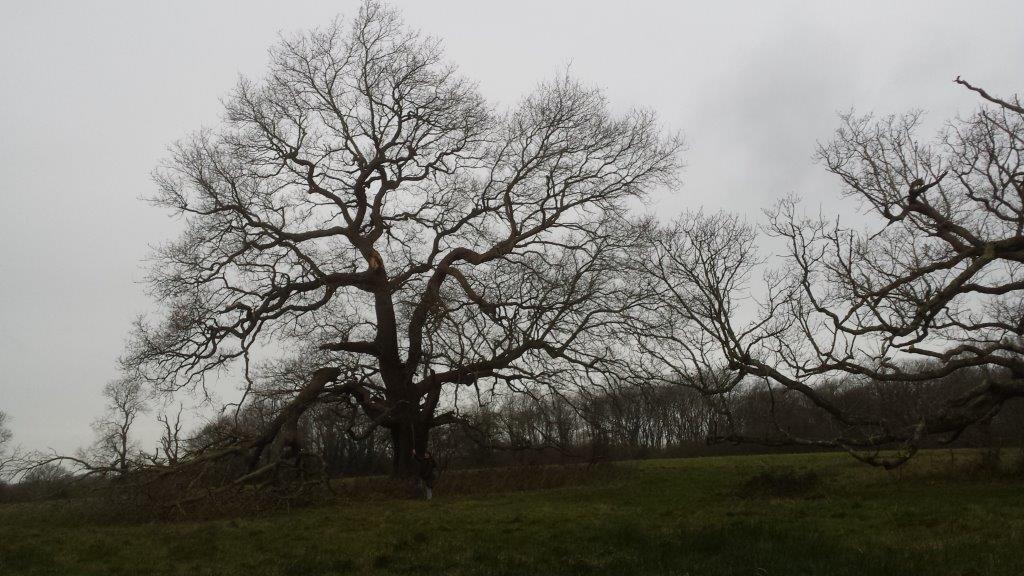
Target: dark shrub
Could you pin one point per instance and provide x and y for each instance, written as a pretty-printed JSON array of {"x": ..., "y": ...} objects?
[{"x": 786, "y": 483}]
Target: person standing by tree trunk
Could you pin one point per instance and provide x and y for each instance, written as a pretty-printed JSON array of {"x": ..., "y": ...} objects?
[{"x": 426, "y": 474}]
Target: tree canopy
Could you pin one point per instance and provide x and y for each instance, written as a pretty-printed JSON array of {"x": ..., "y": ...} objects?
[
  {"x": 932, "y": 287},
  {"x": 363, "y": 209}
]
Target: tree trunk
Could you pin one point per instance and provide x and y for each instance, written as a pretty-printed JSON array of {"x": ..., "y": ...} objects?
[{"x": 405, "y": 439}]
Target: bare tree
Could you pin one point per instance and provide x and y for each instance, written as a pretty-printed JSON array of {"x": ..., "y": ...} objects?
[
  {"x": 5, "y": 432},
  {"x": 115, "y": 448},
  {"x": 364, "y": 206},
  {"x": 8, "y": 455},
  {"x": 172, "y": 441},
  {"x": 932, "y": 288}
]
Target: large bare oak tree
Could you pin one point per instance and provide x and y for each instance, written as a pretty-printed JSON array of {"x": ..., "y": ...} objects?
[{"x": 364, "y": 211}]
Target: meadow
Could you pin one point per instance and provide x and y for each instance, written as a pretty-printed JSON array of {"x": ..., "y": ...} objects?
[{"x": 820, "y": 514}]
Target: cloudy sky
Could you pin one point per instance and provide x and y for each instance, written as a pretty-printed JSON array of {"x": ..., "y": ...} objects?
[{"x": 92, "y": 93}]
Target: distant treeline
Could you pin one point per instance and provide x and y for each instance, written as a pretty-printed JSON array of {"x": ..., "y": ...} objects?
[
  {"x": 634, "y": 422},
  {"x": 619, "y": 423}
]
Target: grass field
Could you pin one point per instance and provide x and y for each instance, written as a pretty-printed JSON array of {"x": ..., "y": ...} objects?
[{"x": 672, "y": 517}]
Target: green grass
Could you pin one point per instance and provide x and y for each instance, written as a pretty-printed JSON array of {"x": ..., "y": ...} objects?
[{"x": 671, "y": 517}]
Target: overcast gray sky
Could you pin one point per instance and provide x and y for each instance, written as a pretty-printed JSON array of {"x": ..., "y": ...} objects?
[{"x": 92, "y": 93}]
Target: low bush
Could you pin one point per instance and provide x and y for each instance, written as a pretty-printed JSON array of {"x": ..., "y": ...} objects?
[{"x": 782, "y": 483}]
